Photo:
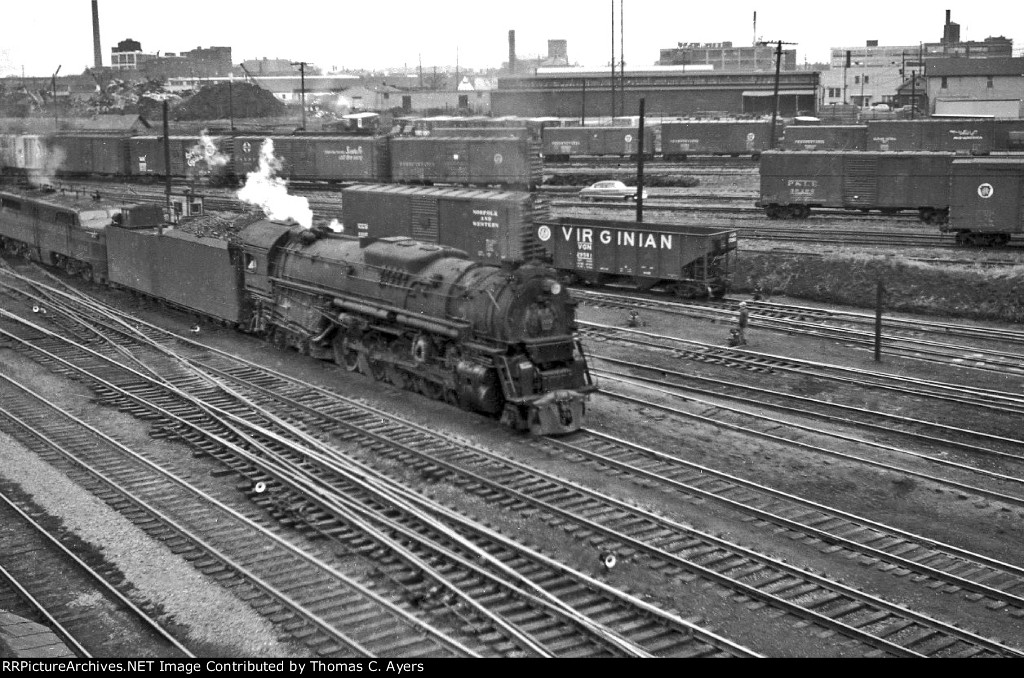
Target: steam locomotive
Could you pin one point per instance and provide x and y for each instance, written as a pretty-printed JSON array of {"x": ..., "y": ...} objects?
[{"x": 499, "y": 340}]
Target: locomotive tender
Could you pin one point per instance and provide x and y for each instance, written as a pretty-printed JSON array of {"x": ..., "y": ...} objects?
[{"x": 499, "y": 340}]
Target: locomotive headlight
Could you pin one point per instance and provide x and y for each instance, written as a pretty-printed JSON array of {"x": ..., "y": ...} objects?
[{"x": 555, "y": 288}]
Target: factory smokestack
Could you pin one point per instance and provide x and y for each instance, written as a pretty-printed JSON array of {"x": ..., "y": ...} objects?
[
  {"x": 97, "y": 54},
  {"x": 511, "y": 51}
]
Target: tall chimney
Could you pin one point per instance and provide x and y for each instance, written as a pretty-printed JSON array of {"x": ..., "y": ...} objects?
[
  {"x": 511, "y": 51},
  {"x": 97, "y": 53}
]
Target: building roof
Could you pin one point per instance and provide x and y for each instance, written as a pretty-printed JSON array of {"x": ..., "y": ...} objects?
[{"x": 975, "y": 67}]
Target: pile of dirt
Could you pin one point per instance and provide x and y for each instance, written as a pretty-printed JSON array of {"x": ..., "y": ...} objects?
[
  {"x": 223, "y": 100},
  {"x": 958, "y": 290}
]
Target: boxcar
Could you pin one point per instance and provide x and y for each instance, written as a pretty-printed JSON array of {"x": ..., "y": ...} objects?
[
  {"x": 333, "y": 158},
  {"x": 490, "y": 226},
  {"x": 794, "y": 182},
  {"x": 690, "y": 261},
  {"x": 1008, "y": 135},
  {"x": 195, "y": 273},
  {"x": 460, "y": 160},
  {"x": 495, "y": 132},
  {"x": 146, "y": 156},
  {"x": 986, "y": 200},
  {"x": 27, "y": 154},
  {"x": 713, "y": 137},
  {"x": 825, "y": 138},
  {"x": 562, "y": 143},
  {"x": 90, "y": 154},
  {"x": 975, "y": 136}
]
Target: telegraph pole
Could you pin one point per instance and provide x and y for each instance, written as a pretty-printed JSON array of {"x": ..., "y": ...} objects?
[
  {"x": 302, "y": 70},
  {"x": 55, "y": 121},
  {"x": 613, "y": 58},
  {"x": 775, "y": 97},
  {"x": 622, "y": 58}
]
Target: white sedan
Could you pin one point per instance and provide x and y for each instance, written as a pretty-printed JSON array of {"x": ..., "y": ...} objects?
[{"x": 610, "y": 190}]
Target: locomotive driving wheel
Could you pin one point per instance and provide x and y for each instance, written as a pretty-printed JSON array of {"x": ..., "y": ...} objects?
[
  {"x": 430, "y": 389},
  {"x": 378, "y": 365},
  {"x": 344, "y": 355}
]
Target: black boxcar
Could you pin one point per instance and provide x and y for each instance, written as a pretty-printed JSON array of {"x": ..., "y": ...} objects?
[
  {"x": 794, "y": 182},
  {"x": 562, "y": 143},
  {"x": 490, "y": 226},
  {"x": 90, "y": 154},
  {"x": 986, "y": 200},
  {"x": 690, "y": 261},
  {"x": 974, "y": 136},
  {"x": 188, "y": 157},
  {"x": 476, "y": 161},
  {"x": 333, "y": 158},
  {"x": 714, "y": 137},
  {"x": 495, "y": 132},
  {"x": 825, "y": 138}
]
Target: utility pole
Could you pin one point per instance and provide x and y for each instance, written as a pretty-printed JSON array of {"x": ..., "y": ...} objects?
[
  {"x": 613, "y": 58},
  {"x": 622, "y": 58},
  {"x": 775, "y": 97},
  {"x": 302, "y": 70},
  {"x": 167, "y": 168},
  {"x": 583, "y": 104},
  {"x": 55, "y": 121},
  {"x": 913, "y": 93},
  {"x": 640, "y": 165},
  {"x": 231, "y": 102}
]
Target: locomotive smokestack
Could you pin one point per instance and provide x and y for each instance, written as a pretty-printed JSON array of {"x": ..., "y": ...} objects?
[
  {"x": 511, "y": 51},
  {"x": 97, "y": 54}
]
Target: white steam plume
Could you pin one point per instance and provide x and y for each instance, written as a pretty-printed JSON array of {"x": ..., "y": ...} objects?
[
  {"x": 269, "y": 192},
  {"x": 206, "y": 150}
]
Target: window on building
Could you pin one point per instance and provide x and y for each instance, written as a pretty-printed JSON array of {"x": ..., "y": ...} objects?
[
  {"x": 945, "y": 83},
  {"x": 856, "y": 80},
  {"x": 866, "y": 77},
  {"x": 990, "y": 85},
  {"x": 406, "y": 102}
]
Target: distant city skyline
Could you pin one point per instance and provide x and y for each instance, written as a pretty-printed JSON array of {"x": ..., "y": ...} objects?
[{"x": 440, "y": 34}]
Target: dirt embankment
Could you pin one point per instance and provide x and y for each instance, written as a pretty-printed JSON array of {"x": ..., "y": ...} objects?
[{"x": 959, "y": 290}]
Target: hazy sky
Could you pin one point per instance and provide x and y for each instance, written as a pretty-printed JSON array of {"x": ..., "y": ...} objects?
[{"x": 350, "y": 34}]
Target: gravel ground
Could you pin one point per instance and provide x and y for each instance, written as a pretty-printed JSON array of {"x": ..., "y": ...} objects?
[{"x": 214, "y": 618}]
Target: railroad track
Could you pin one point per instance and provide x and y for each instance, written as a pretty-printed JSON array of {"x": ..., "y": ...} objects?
[
  {"x": 539, "y": 585},
  {"x": 220, "y": 540},
  {"x": 851, "y": 328},
  {"x": 43, "y": 577},
  {"x": 619, "y": 528}
]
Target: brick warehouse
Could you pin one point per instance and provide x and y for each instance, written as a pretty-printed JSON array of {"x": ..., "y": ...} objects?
[{"x": 668, "y": 90}]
